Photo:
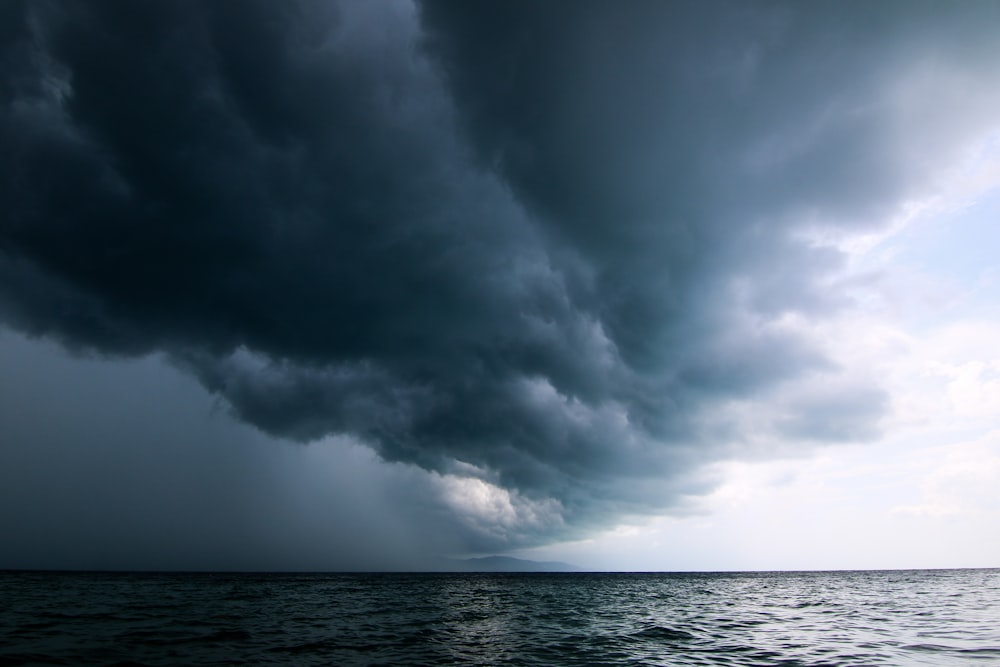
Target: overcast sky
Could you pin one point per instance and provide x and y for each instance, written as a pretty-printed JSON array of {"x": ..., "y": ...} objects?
[{"x": 357, "y": 285}]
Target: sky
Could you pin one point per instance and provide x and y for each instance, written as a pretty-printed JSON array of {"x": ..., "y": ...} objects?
[{"x": 325, "y": 285}]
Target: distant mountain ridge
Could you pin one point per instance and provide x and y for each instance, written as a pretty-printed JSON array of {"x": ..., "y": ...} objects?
[{"x": 507, "y": 564}]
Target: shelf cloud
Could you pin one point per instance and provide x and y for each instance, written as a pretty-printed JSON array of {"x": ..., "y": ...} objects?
[{"x": 559, "y": 255}]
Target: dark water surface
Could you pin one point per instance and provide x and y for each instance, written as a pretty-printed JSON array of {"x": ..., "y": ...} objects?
[{"x": 943, "y": 617}]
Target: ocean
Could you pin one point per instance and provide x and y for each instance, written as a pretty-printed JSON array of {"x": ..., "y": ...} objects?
[{"x": 936, "y": 617}]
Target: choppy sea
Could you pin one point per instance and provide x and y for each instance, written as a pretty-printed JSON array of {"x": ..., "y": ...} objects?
[{"x": 938, "y": 617}]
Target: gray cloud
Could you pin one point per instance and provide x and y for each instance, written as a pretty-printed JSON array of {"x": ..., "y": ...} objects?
[{"x": 536, "y": 243}]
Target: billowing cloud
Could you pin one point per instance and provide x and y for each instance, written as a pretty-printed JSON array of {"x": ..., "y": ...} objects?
[{"x": 538, "y": 250}]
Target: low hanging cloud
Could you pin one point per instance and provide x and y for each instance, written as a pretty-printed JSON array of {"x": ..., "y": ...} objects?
[{"x": 540, "y": 250}]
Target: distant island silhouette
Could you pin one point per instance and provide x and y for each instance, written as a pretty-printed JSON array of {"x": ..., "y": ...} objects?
[{"x": 506, "y": 564}]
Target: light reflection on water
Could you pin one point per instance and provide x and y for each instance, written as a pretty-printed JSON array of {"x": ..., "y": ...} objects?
[{"x": 849, "y": 618}]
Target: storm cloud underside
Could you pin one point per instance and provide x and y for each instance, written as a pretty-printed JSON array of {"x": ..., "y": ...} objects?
[{"x": 566, "y": 249}]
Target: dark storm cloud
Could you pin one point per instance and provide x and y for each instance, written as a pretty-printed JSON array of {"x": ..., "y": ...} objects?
[{"x": 541, "y": 240}]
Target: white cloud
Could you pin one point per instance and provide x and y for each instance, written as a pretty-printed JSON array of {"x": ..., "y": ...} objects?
[
  {"x": 957, "y": 479},
  {"x": 494, "y": 512}
]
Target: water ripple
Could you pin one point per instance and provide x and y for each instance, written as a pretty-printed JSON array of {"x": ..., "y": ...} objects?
[{"x": 936, "y": 618}]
